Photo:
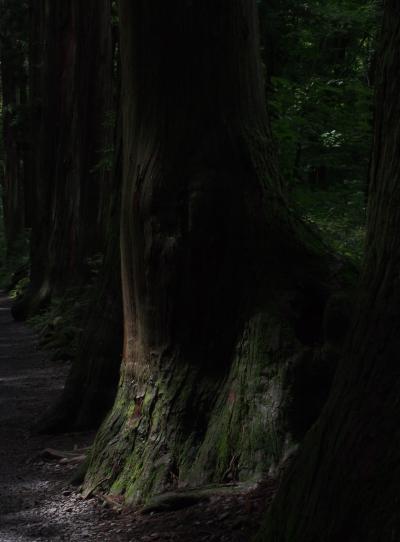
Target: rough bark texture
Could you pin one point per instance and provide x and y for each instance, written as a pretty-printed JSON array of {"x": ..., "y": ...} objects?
[
  {"x": 221, "y": 301},
  {"x": 92, "y": 382},
  {"x": 344, "y": 483},
  {"x": 72, "y": 97},
  {"x": 14, "y": 111},
  {"x": 91, "y": 385},
  {"x": 75, "y": 195}
]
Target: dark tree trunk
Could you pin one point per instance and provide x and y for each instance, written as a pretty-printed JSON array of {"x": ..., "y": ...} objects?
[
  {"x": 92, "y": 382},
  {"x": 71, "y": 81},
  {"x": 13, "y": 90},
  {"x": 344, "y": 483},
  {"x": 221, "y": 300},
  {"x": 94, "y": 197},
  {"x": 91, "y": 386},
  {"x": 12, "y": 178}
]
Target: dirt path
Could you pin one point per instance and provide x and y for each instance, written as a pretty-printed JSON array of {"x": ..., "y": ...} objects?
[
  {"x": 36, "y": 501},
  {"x": 34, "y": 504}
]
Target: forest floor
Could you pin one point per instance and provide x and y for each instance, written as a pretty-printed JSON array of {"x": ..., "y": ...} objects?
[{"x": 37, "y": 503}]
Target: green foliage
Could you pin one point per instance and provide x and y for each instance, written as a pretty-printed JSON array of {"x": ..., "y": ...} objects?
[
  {"x": 339, "y": 213},
  {"x": 319, "y": 58},
  {"x": 20, "y": 288},
  {"x": 323, "y": 124},
  {"x": 59, "y": 325},
  {"x": 14, "y": 25}
]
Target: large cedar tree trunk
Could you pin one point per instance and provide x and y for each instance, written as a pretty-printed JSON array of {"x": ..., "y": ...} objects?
[
  {"x": 344, "y": 484},
  {"x": 92, "y": 197},
  {"x": 14, "y": 110},
  {"x": 75, "y": 195},
  {"x": 222, "y": 293},
  {"x": 91, "y": 385},
  {"x": 71, "y": 82}
]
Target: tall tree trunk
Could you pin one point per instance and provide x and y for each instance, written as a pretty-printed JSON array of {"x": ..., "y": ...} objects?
[
  {"x": 72, "y": 97},
  {"x": 87, "y": 222},
  {"x": 12, "y": 181},
  {"x": 13, "y": 90},
  {"x": 221, "y": 300},
  {"x": 344, "y": 483},
  {"x": 91, "y": 385}
]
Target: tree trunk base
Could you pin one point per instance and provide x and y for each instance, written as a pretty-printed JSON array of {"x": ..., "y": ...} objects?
[{"x": 193, "y": 426}]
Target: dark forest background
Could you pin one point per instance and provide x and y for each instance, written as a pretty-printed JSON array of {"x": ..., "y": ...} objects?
[{"x": 319, "y": 61}]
